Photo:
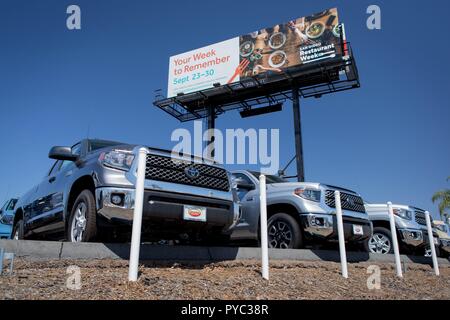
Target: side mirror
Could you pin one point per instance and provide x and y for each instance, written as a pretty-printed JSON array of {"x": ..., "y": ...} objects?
[
  {"x": 62, "y": 153},
  {"x": 242, "y": 184}
]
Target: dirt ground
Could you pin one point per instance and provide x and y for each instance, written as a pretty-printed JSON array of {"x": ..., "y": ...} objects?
[{"x": 107, "y": 279}]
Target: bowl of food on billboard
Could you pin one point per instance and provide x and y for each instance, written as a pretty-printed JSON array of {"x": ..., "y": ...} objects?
[
  {"x": 337, "y": 30},
  {"x": 277, "y": 59},
  {"x": 266, "y": 52}
]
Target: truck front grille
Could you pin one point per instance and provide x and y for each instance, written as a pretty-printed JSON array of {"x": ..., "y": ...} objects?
[
  {"x": 166, "y": 169},
  {"x": 349, "y": 201},
  {"x": 420, "y": 217}
]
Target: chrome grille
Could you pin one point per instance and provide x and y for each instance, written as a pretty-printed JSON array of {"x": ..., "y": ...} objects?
[
  {"x": 349, "y": 201},
  {"x": 420, "y": 217},
  {"x": 166, "y": 169}
]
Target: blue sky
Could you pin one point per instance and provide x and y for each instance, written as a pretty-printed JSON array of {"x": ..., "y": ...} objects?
[{"x": 389, "y": 140}]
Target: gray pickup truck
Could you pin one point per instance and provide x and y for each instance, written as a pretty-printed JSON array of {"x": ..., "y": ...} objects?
[
  {"x": 298, "y": 213},
  {"x": 89, "y": 192}
]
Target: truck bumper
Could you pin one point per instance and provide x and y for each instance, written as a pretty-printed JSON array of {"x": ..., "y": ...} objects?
[
  {"x": 324, "y": 226},
  {"x": 412, "y": 237},
  {"x": 5, "y": 235},
  {"x": 5, "y": 231},
  {"x": 165, "y": 210}
]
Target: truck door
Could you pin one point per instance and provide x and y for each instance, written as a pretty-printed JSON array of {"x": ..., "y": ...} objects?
[
  {"x": 49, "y": 207},
  {"x": 46, "y": 205},
  {"x": 248, "y": 193}
]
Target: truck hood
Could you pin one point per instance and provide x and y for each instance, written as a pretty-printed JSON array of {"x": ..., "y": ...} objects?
[
  {"x": 294, "y": 185},
  {"x": 383, "y": 206},
  {"x": 312, "y": 185},
  {"x": 442, "y": 234}
]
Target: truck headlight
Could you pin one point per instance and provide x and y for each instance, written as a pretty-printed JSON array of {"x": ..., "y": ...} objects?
[
  {"x": 403, "y": 213},
  {"x": 121, "y": 160},
  {"x": 308, "y": 194}
]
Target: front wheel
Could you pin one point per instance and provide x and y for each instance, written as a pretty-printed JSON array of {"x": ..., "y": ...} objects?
[
  {"x": 82, "y": 225},
  {"x": 427, "y": 251},
  {"x": 381, "y": 241},
  {"x": 284, "y": 232}
]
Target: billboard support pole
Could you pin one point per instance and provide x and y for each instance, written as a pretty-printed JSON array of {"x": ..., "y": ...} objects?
[
  {"x": 211, "y": 126},
  {"x": 298, "y": 134}
]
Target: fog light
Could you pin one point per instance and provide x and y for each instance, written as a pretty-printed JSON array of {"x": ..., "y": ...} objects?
[{"x": 117, "y": 199}]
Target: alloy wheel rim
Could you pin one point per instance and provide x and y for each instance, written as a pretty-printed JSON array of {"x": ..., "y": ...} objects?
[
  {"x": 379, "y": 243},
  {"x": 280, "y": 235},
  {"x": 78, "y": 226}
]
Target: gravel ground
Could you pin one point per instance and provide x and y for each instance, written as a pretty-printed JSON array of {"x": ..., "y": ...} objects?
[{"x": 107, "y": 279}]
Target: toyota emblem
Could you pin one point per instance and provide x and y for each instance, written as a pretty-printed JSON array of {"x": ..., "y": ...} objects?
[{"x": 192, "y": 172}]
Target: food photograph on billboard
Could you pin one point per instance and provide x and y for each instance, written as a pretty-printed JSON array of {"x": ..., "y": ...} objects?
[{"x": 270, "y": 50}]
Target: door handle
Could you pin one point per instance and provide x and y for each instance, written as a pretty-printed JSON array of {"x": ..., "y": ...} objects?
[
  {"x": 52, "y": 179},
  {"x": 249, "y": 199}
]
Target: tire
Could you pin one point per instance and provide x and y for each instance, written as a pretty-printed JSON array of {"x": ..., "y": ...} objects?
[
  {"x": 284, "y": 232},
  {"x": 18, "y": 231},
  {"x": 438, "y": 252},
  {"x": 82, "y": 224},
  {"x": 427, "y": 252},
  {"x": 379, "y": 237}
]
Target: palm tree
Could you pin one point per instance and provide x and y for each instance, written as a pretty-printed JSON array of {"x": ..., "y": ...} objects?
[{"x": 443, "y": 196}]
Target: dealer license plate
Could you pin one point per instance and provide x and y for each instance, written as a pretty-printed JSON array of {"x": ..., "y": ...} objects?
[
  {"x": 193, "y": 213},
  {"x": 358, "y": 230}
]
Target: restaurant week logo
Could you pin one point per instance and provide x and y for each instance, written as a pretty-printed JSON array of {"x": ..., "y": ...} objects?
[{"x": 317, "y": 51}]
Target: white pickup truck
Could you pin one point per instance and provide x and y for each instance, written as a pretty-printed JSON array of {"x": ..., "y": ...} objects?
[
  {"x": 299, "y": 213},
  {"x": 411, "y": 229}
]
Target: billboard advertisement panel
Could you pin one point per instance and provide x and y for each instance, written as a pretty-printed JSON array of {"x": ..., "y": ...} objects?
[{"x": 271, "y": 50}]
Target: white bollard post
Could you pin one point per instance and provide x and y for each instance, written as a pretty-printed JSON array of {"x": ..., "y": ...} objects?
[
  {"x": 340, "y": 228},
  {"x": 264, "y": 241},
  {"x": 137, "y": 216},
  {"x": 398, "y": 264},
  {"x": 431, "y": 240}
]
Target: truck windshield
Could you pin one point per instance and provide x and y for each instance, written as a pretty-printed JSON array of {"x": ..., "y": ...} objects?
[
  {"x": 443, "y": 228},
  {"x": 269, "y": 178},
  {"x": 96, "y": 145}
]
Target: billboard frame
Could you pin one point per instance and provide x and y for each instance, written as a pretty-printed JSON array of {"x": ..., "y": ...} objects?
[{"x": 323, "y": 78}]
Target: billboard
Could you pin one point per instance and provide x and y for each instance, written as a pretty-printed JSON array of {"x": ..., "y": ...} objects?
[{"x": 268, "y": 51}]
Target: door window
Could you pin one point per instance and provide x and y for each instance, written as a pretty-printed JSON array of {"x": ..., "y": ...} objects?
[
  {"x": 11, "y": 205},
  {"x": 54, "y": 168},
  {"x": 76, "y": 149}
]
